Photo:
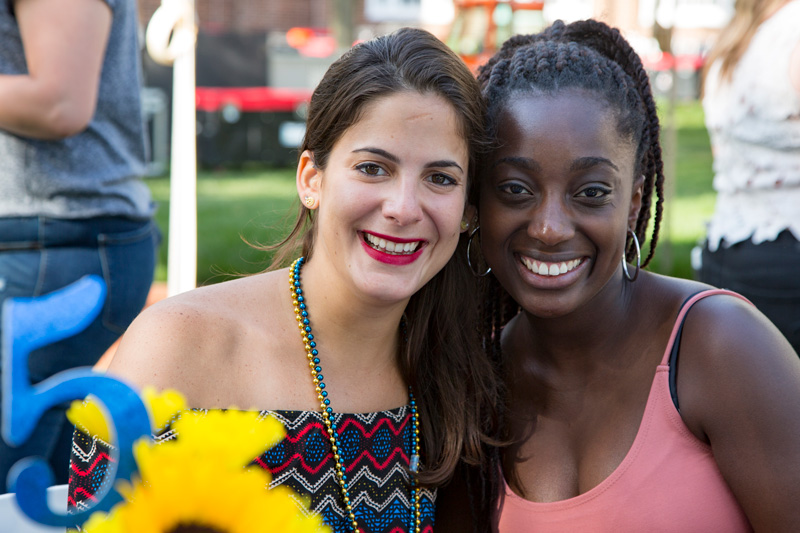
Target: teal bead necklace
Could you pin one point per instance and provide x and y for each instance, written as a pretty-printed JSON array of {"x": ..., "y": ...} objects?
[{"x": 312, "y": 354}]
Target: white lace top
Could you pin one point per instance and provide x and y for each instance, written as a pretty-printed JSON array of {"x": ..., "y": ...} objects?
[{"x": 754, "y": 124}]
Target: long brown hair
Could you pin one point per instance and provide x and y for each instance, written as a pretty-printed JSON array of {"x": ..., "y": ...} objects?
[
  {"x": 442, "y": 360},
  {"x": 736, "y": 36}
]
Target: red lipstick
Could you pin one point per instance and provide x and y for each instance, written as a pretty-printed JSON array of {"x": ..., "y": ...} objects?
[{"x": 391, "y": 258}]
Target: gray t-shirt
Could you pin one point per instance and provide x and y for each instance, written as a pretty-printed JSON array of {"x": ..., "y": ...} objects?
[{"x": 98, "y": 171}]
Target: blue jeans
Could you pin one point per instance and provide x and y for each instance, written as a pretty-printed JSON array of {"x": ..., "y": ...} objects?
[{"x": 39, "y": 255}]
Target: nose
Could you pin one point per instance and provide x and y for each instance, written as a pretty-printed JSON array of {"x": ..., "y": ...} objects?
[
  {"x": 550, "y": 222},
  {"x": 403, "y": 203}
]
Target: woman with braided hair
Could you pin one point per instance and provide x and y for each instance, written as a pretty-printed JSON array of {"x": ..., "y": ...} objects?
[{"x": 623, "y": 413}]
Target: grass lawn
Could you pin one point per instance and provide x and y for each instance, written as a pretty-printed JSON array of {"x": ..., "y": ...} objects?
[
  {"x": 258, "y": 205},
  {"x": 689, "y": 196},
  {"x": 232, "y": 207}
]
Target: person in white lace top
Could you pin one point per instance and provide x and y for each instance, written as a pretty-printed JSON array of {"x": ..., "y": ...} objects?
[{"x": 752, "y": 111}]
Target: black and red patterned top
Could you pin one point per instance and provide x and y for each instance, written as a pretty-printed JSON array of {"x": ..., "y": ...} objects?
[{"x": 376, "y": 451}]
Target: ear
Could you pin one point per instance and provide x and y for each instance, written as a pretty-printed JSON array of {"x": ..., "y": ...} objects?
[
  {"x": 636, "y": 201},
  {"x": 470, "y": 216},
  {"x": 308, "y": 180}
]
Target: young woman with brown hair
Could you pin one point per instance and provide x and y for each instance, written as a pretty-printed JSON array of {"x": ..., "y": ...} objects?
[{"x": 388, "y": 333}]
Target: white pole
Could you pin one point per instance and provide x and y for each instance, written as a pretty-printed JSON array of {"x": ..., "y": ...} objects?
[{"x": 170, "y": 38}]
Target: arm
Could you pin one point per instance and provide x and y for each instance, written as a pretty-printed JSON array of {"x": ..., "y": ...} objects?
[
  {"x": 64, "y": 42},
  {"x": 739, "y": 385}
]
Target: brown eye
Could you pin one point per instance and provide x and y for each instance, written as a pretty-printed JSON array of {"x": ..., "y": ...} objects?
[
  {"x": 594, "y": 192},
  {"x": 514, "y": 189},
  {"x": 442, "y": 179},
  {"x": 371, "y": 169}
]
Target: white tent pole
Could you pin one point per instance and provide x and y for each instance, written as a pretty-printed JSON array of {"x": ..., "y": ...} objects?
[{"x": 170, "y": 37}]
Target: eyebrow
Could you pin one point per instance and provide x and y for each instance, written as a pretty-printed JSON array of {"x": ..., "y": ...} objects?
[
  {"x": 514, "y": 161},
  {"x": 394, "y": 159},
  {"x": 581, "y": 163},
  {"x": 588, "y": 162}
]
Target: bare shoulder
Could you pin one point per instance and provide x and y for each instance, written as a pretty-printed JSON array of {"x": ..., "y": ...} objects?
[
  {"x": 727, "y": 346},
  {"x": 738, "y": 385},
  {"x": 725, "y": 336},
  {"x": 660, "y": 297},
  {"x": 194, "y": 340},
  {"x": 729, "y": 329}
]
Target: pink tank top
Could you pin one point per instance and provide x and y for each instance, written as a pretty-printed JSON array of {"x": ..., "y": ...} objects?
[{"x": 668, "y": 481}]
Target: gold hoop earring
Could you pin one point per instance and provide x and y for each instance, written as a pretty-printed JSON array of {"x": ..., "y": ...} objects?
[{"x": 638, "y": 258}]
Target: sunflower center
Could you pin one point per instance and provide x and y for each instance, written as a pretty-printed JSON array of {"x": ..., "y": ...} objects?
[{"x": 194, "y": 528}]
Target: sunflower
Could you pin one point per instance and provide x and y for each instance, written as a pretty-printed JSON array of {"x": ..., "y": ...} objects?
[
  {"x": 162, "y": 406},
  {"x": 89, "y": 417},
  {"x": 198, "y": 482},
  {"x": 235, "y": 437}
]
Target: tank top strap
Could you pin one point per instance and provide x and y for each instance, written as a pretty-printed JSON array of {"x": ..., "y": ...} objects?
[
  {"x": 673, "y": 346},
  {"x": 675, "y": 338}
]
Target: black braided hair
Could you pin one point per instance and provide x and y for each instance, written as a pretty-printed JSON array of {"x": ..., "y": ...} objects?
[
  {"x": 484, "y": 482},
  {"x": 592, "y": 56},
  {"x": 587, "y": 55}
]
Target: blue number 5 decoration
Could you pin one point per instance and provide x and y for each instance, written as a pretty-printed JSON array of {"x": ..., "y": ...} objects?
[{"x": 28, "y": 324}]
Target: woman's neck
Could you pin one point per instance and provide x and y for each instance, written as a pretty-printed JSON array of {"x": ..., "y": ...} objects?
[
  {"x": 575, "y": 340},
  {"x": 354, "y": 331}
]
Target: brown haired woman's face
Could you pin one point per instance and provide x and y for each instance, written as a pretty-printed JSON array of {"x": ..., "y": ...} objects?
[
  {"x": 392, "y": 196},
  {"x": 556, "y": 200}
]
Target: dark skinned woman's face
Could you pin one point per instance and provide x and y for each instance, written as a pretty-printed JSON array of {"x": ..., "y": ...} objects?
[{"x": 556, "y": 200}]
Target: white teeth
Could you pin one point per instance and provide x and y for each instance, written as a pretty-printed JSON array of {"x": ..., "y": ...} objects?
[
  {"x": 550, "y": 269},
  {"x": 391, "y": 246}
]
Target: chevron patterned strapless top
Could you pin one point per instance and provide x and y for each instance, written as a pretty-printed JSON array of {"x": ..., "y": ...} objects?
[{"x": 375, "y": 446}]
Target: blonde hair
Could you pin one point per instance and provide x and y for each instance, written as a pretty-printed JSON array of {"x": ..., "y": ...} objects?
[{"x": 736, "y": 36}]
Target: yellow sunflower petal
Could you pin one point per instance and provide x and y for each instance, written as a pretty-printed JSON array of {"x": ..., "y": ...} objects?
[
  {"x": 101, "y": 522},
  {"x": 88, "y": 416},
  {"x": 163, "y": 406},
  {"x": 232, "y": 437},
  {"x": 284, "y": 511},
  {"x": 199, "y": 479},
  {"x": 179, "y": 489}
]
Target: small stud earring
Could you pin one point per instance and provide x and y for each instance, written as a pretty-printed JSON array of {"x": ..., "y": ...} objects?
[
  {"x": 464, "y": 225},
  {"x": 309, "y": 200}
]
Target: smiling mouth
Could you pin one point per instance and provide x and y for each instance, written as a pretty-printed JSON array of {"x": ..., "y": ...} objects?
[
  {"x": 391, "y": 247},
  {"x": 550, "y": 269}
]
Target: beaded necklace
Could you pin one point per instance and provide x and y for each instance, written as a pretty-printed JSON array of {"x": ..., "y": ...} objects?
[{"x": 312, "y": 354}]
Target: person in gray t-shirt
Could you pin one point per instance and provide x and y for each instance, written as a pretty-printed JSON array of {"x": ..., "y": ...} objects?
[{"x": 72, "y": 199}]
